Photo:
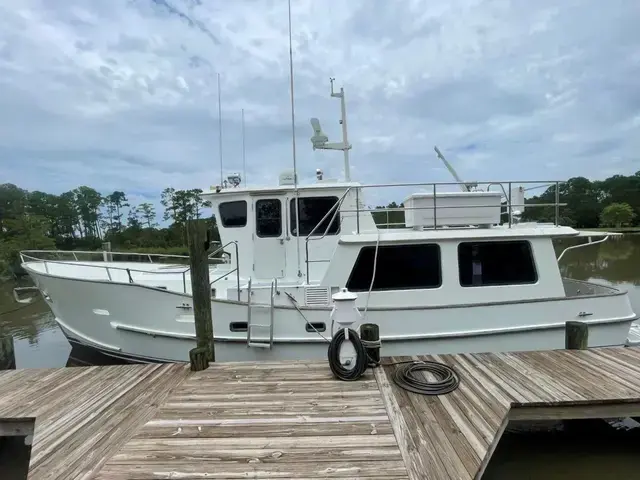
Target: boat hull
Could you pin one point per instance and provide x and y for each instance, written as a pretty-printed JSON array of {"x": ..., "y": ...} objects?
[{"x": 139, "y": 323}]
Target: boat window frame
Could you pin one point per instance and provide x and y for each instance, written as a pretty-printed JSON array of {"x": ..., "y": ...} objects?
[
  {"x": 246, "y": 214},
  {"x": 257, "y": 219},
  {"x": 500, "y": 284},
  {"x": 293, "y": 214},
  {"x": 372, "y": 248}
]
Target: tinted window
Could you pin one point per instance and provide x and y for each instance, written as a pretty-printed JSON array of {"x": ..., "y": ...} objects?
[
  {"x": 269, "y": 218},
  {"x": 398, "y": 267},
  {"x": 496, "y": 263},
  {"x": 233, "y": 214},
  {"x": 312, "y": 210}
]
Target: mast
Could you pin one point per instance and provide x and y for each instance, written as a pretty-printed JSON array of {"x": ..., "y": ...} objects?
[
  {"x": 244, "y": 160},
  {"x": 220, "y": 130},
  {"x": 343, "y": 122},
  {"x": 293, "y": 143}
]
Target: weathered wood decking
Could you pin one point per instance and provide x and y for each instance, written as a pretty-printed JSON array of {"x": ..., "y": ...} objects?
[{"x": 293, "y": 420}]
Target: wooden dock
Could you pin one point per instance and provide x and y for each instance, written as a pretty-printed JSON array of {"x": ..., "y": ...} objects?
[{"x": 292, "y": 420}]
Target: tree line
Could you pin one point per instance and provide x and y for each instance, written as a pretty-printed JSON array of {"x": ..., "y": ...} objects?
[
  {"x": 613, "y": 202},
  {"x": 83, "y": 218}
]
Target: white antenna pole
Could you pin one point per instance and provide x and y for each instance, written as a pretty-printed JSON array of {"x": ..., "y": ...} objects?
[
  {"x": 220, "y": 130},
  {"x": 343, "y": 122},
  {"x": 244, "y": 160},
  {"x": 293, "y": 141}
]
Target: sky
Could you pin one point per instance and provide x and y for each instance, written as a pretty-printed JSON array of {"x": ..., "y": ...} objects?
[{"x": 123, "y": 94}]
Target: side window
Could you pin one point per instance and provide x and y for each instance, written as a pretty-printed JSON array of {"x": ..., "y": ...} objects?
[
  {"x": 233, "y": 214},
  {"x": 311, "y": 211},
  {"x": 496, "y": 263},
  {"x": 398, "y": 267},
  {"x": 269, "y": 218}
]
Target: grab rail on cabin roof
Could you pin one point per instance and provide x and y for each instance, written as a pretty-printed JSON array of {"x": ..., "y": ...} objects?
[
  {"x": 336, "y": 208},
  {"x": 433, "y": 185},
  {"x": 25, "y": 254}
]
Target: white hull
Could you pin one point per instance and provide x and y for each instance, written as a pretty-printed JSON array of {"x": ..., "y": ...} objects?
[{"x": 133, "y": 321}]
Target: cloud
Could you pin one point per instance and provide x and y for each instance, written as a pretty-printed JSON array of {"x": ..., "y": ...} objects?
[{"x": 122, "y": 94}]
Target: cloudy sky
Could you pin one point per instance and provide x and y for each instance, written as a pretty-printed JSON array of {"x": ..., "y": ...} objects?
[{"x": 122, "y": 94}]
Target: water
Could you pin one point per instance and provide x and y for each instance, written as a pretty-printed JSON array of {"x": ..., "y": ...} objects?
[{"x": 606, "y": 452}]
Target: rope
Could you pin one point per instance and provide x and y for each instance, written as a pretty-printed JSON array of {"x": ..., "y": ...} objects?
[
  {"x": 371, "y": 343},
  {"x": 295, "y": 304},
  {"x": 373, "y": 276},
  {"x": 333, "y": 353}
]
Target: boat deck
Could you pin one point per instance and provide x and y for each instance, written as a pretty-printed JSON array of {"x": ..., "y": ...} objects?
[{"x": 293, "y": 420}]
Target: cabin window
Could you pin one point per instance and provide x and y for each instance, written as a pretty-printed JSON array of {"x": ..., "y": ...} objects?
[
  {"x": 233, "y": 214},
  {"x": 496, "y": 263},
  {"x": 398, "y": 267},
  {"x": 269, "y": 218},
  {"x": 311, "y": 211}
]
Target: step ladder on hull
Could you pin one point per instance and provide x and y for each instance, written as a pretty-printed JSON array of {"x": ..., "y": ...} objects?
[{"x": 261, "y": 341}]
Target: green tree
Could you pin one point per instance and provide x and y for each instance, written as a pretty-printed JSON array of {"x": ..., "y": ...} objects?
[
  {"x": 133, "y": 220},
  {"x": 87, "y": 202},
  {"x": 168, "y": 201},
  {"x": 617, "y": 215},
  {"x": 148, "y": 214}
]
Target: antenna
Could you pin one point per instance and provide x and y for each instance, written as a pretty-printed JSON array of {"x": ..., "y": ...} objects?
[
  {"x": 343, "y": 122},
  {"x": 244, "y": 160},
  {"x": 220, "y": 129},
  {"x": 465, "y": 187},
  {"x": 319, "y": 140},
  {"x": 293, "y": 143}
]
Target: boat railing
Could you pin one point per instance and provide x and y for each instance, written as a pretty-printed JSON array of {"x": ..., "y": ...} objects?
[
  {"x": 432, "y": 188},
  {"x": 94, "y": 253},
  {"x": 30, "y": 255},
  {"x": 333, "y": 211}
]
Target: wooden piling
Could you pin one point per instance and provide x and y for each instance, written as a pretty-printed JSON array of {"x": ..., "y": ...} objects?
[
  {"x": 370, "y": 332},
  {"x": 7, "y": 353},
  {"x": 201, "y": 292},
  {"x": 576, "y": 335}
]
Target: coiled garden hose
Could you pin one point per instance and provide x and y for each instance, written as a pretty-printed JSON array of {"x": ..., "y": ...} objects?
[{"x": 362, "y": 359}]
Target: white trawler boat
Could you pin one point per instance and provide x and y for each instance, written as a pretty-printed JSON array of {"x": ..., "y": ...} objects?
[{"x": 462, "y": 275}]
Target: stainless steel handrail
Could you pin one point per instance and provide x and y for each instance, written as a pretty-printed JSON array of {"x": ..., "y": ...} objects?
[
  {"x": 509, "y": 205},
  {"x": 336, "y": 209},
  {"x": 24, "y": 255},
  {"x": 99, "y": 252}
]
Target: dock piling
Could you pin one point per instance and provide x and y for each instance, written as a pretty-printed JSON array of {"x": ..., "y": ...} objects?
[
  {"x": 201, "y": 292},
  {"x": 576, "y": 335}
]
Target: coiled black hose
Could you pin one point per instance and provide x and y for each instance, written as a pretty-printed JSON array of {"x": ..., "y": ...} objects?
[
  {"x": 447, "y": 378},
  {"x": 357, "y": 370}
]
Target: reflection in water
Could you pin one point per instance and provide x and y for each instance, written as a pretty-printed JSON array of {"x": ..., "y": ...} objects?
[{"x": 554, "y": 454}]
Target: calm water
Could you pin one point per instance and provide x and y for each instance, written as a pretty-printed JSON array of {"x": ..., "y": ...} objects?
[{"x": 606, "y": 453}]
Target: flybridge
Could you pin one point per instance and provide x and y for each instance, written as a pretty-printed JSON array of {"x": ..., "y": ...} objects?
[{"x": 477, "y": 204}]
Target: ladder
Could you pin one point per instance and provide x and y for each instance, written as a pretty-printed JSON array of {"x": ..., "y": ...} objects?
[{"x": 261, "y": 342}]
